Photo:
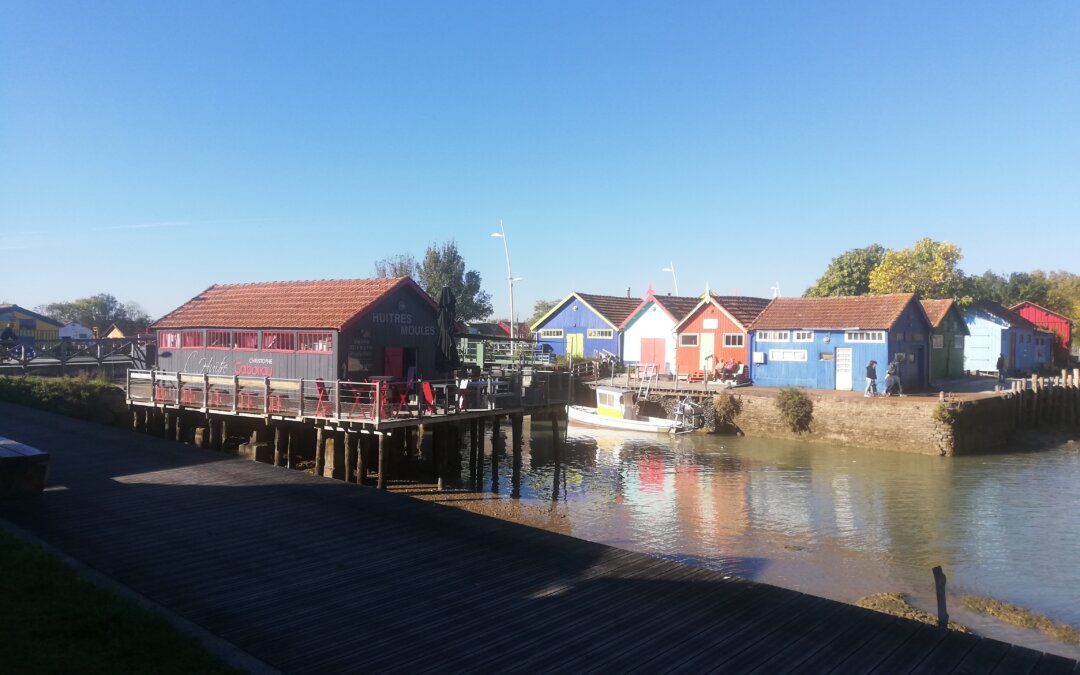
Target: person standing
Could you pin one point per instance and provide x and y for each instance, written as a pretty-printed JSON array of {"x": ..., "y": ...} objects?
[
  {"x": 893, "y": 370},
  {"x": 1001, "y": 367},
  {"x": 871, "y": 379}
]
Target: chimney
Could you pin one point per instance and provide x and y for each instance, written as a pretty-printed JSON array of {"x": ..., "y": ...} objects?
[{"x": 628, "y": 291}]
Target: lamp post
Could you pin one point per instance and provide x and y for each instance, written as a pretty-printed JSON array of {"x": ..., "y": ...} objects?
[
  {"x": 510, "y": 278},
  {"x": 671, "y": 268}
]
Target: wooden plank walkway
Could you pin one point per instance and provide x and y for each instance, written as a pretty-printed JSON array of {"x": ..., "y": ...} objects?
[{"x": 314, "y": 575}]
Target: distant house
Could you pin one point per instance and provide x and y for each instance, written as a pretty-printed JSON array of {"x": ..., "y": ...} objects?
[
  {"x": 715, "y": 331},
  {"x": 826, "y": 343},
  {"x": 488, "y": 329},
  {"x": 350, "y": 329},
  {"x": 30, "y": 327},
  {"x": 583, "y": 324},
  {"x": 649, "y": 330},
  {"x": 994, "y": 330},
  {"x": 76, "y": 331},
  {"x": 1059, "y": 324},
  {"x": 946, "y": 339}
]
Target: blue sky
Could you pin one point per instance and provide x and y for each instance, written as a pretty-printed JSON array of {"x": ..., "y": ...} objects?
[{"x": 151, "y": 149}]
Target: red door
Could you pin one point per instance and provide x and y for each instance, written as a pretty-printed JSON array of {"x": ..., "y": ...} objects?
[
  {"x": 393, "y": 362},
  {"x": 652, "y": 351}
]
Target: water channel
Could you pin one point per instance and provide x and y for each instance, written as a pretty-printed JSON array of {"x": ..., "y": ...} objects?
[{"x": 836, "y": 522}]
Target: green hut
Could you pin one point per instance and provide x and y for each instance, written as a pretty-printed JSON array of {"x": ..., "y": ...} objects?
[{"x": 946, "y": 339}]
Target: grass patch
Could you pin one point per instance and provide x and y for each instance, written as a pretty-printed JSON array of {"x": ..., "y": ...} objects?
[
  {"x": 896, "y": 604},
  {"x": 54, "y": 621},
  {"x": 1018, "y": 616}
]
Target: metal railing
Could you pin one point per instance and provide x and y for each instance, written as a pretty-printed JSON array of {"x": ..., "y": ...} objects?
[{"x": 376, "y": 400}]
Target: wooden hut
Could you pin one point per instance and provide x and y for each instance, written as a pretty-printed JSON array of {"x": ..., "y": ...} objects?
[
  {"x": 649, "y": 330},
  {"x": 826, "y": 343},
  {"x": 946, "y": 339},
  {"x": 30, "y": 327},
  {"x": 993, "y": 331},
  {"x": 715, "y": 331},
  {"x": 349, "y": 329},
  {"x": 1058, "y": 324},
  {"x": 583, "y": 324}
]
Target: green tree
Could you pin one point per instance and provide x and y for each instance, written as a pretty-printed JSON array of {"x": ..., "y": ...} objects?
[
  {"x": 443, "y": 265},
  {"x": 928, "y": 268},
  {"x": 101, "y": 310},
  {"x": 401, "y": 265},
  {"x": 848, "y": 273},
  {"x": 542, "y": 307}
]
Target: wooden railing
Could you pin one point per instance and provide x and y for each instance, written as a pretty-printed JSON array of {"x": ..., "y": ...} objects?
[{"x": 377, "y": 400}]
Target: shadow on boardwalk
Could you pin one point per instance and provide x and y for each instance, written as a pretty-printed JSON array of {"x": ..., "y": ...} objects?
[{"x": 315, "y": 575}]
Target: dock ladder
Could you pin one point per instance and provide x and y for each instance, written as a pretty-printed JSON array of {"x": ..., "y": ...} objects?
[{"x": 646, "y": 379}]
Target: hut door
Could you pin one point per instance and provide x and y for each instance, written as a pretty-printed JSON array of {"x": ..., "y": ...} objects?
[
  {"x": 706, "y": 358},
  {"x": 652, "y": 352},
  {"x": 394, "y": 362},
  {"x": 843, "y": 368},
  {"x": 575, "y": 345}
]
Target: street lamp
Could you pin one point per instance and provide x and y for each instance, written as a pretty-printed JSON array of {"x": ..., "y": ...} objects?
[
  {"x": 510, "y": 278},
  {"x": 671, "y": 268}
]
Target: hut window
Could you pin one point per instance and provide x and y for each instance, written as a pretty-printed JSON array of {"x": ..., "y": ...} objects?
[
  {"x": 219, "y": 339},
  {"x": 958, "y": 342},
  {"x": 787, "y": 355},
  {"x": 551, "y": 332},
  {"x": 170, "y": 339},
  {"x": 318, "y": 343},
  {"x": 279, "y": 341},
  {"x": 27, "y": 324},
  {"x": 733, "y": 339},
  {"x": 864, "y": 336},
  {"x": 937, "y": 341},
  {"x": 688, "y": 340},
  {"x": 601, "y": 333},
  {"x": 773, "y": 336},
  {"x": 245, "y": 340},
  {"x": 804, "y": 336},
  {"x": 191, "y": 339}
]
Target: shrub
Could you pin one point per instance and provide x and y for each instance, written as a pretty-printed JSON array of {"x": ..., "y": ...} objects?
[
  {"x": 727, "y": 407},
  {"x": 91, "y": 399},
  {"x": 944, "y": 413},
  {"x": 796, "y": 408}
]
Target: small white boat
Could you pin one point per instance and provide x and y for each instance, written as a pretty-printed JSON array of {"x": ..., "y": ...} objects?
[{"x": 615, "y": 410}]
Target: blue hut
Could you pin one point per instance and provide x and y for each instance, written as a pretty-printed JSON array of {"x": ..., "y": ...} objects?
[
  {"x": 826, "y": 343},
  {"x": 583, "y": 324},
  {"x": 994, "y": 331}
]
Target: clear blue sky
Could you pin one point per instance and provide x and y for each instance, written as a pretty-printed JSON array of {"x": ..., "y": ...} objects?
[{"x": 151, "y": 149}]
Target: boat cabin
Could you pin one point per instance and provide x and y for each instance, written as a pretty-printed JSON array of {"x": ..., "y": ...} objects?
[{"x": 615, "y": 402}]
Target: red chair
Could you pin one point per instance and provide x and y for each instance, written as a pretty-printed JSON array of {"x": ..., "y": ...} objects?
[
  {"x": 429, "y": 399},
  {"x": 322, "y": 405}
]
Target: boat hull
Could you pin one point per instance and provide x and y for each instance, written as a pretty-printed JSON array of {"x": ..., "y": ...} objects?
[{"x": 587, "y": 417}]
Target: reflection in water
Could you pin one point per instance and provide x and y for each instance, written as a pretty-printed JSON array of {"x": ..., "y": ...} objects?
[{"x": 839, "y": 522}]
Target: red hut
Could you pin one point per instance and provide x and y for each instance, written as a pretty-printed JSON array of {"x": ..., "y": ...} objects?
[
  {"x": 1042, "y": 317},
  {"x": 714, "y": 332}
]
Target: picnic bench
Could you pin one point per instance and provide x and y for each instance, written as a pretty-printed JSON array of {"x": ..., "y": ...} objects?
[{"x": 23, "y": 469}]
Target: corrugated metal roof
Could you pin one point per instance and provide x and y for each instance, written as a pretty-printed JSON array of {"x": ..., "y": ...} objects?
[
  {"x": 1002, "y": 312},
  {"x": 614, "y": 308},
  {"x": 863, "y": 311},
  {"x": 326, "y": 303},
  {"x": 1027, "y": 303}
]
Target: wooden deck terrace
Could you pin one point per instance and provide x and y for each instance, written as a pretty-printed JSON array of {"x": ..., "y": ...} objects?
[
  {"x": 380, "y": 403},
  {"x": 308, "y": 575}
]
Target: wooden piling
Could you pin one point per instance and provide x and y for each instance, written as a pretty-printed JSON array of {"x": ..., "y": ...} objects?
[
  {"x": 382, "y": 462},
  {"x": 279, "y": 445},
  {"x": 480, "y": 457},
  {"x": 473, "y": 444},
  {"x": 515, "y": 468},
  {"x": 496, "y": 453},
  {"x": 179, "y": 426},
  {"x": 350, "y": 457},
  {"x": 224, "y": 434},
  {"x": 939, "y": 587},
  {"x": 363, "y": 442},
  {"x": 320, "y": 451},
  {"x": 167, "y": 423}
]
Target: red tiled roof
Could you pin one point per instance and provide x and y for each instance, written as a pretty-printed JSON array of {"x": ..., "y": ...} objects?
[
  {"x": 330, "y": 303},
  {"x": 744, "y": 309},
  {"x": 677, "y": 305},
  {"x": 936, "y": 310},
  {"x": 863, "y": 311},
  {"x": 614, "y": 308}
]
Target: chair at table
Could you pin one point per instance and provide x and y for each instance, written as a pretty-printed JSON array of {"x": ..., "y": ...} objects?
[{"x": 322, "y": 404}]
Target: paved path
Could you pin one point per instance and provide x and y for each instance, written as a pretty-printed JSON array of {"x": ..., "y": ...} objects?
[{"x": 313, "y": 575}]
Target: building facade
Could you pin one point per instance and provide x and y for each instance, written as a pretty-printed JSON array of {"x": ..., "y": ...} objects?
[
  {"x": 649, "y": 331},
  {"x": 585, "y": 325},
  {"x": 30, "y": 327},
  {"x": 946, "y": 339},
  {"x": 993, "y": 331},
  {"x": 1058, "y": 324},
  {"x": 716, "y": 331}
]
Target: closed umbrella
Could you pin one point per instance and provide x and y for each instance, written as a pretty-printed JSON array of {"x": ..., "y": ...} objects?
[{"x": 446, "y": 356}]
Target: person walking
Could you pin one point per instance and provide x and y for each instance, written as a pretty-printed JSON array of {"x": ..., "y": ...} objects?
[
  {"x": 871, "y": 379},
  {"x": 1001, "y": 367},
  {"x": 893, "y": 371}
]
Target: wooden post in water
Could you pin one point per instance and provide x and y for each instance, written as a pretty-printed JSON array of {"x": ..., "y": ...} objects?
[
  {"x": 320, "y": 451},
  {"x": 496, "y": 452},
  {"x": 480, "y": 456},
  {"x": 555, "y": 437},
  {"x": 350, "y": 457},
  {"x": 382, "y": 462},
  {"x": 939, "y": 586},
  {"x": 167, "y": 423},
  {"x": 224, "y": 433},
  {"x": 473, "y": 444},
  {"x": 279, "y": 445},
  {"x": 363, "y": 442},
  {"x": 438, "y": 442},
  {"x": 178, "y": 423},
  {"x": 515, "y": 471}
]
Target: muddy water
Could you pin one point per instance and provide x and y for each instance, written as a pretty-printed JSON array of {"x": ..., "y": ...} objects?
[{"x": 835, "y": 522}]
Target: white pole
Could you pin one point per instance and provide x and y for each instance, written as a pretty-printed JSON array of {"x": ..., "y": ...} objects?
[{"x": 510, "y": 280}]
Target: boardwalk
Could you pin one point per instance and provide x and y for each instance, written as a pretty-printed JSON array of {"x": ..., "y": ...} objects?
[{"x": 318, "y": 576}]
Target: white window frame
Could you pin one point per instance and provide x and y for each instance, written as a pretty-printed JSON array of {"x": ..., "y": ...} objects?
[
  {"x": 937, "y": 342},
  {"x": 798, "y": 355},
  {"x": 864, "y": 336},
  {"x": 688, "y": 339},
  {"x": 710, "y": 323},
  {"x": 774, "y": 336},
  {"x": 600, "y": 333},
  {"x": 958, "y": 341},
  {"x": 802, "y": 336},
  {"x": 551, "y": 333},
  {"x": 734, "y": 340}
]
